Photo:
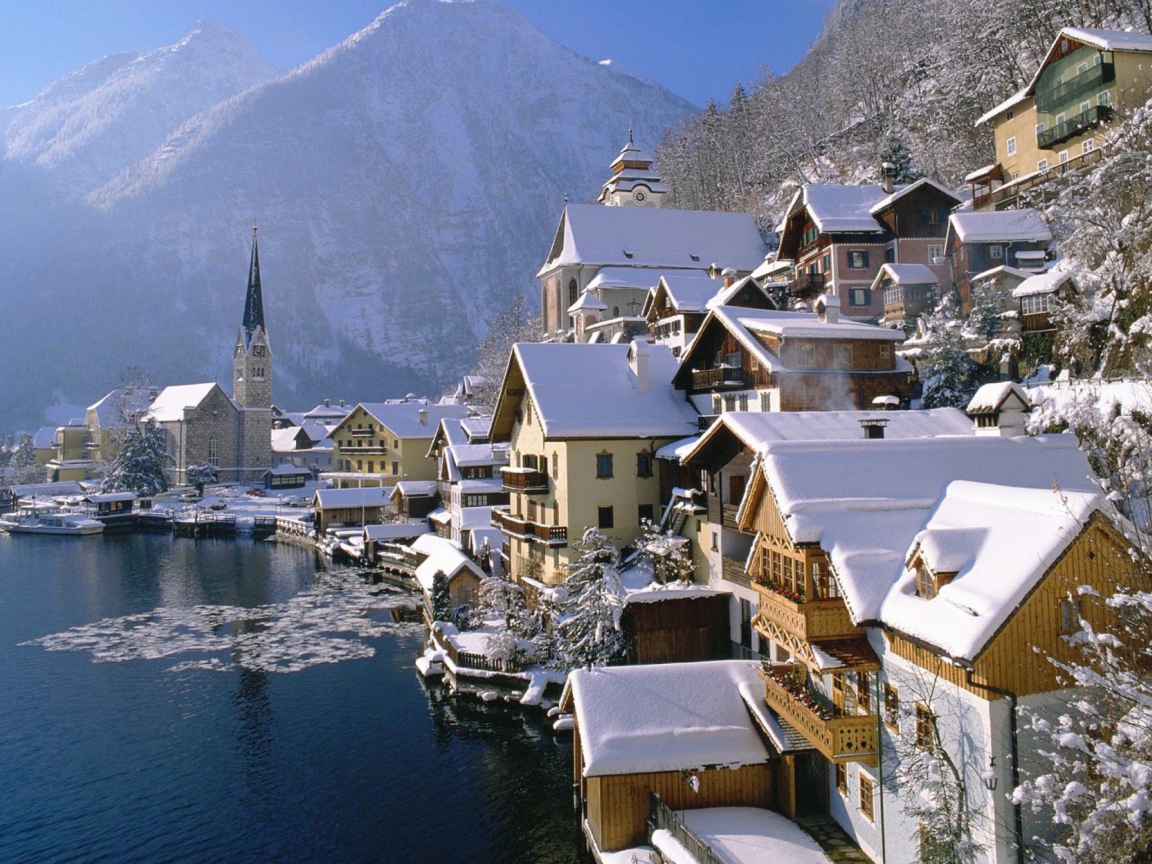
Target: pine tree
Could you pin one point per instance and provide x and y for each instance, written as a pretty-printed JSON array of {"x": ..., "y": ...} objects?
[
  {"x": 441, "y": 598},
  {"x": 947, "y": 370},
  {"x": 986, "y": 316},
  {"x": 588, "y": 631},
  {"x": 199, "y": 476},
  {"x": 23, "y": 467},
  {"x": 139, "y": 466},
  {"x": 668, "y": 554}
]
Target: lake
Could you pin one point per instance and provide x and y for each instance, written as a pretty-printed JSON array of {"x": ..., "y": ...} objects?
[{"x": 228, "y": 701}]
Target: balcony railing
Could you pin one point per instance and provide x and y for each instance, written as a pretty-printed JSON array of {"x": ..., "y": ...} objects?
[
  {"x": 839, "y": 737},
  {"x": 362, "y": 433},
  {"x": 809, "y": 619},
  {"x": 364, "y": 451},
  {"x": 807, "y": 285},
  {"x": 1073, "y": 126},
  {"x": 1072, "y": 89},
  {"x": 525, "y": 529},
  {"x": 526, "y": 480},
  {"x": 1011, "y": 190},
  {"x": 719, "y": 378}
]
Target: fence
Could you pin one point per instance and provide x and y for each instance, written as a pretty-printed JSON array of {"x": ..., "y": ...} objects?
[{"x": 661, "y": 817}]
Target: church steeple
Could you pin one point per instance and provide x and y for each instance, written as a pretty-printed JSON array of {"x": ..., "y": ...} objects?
[
  {"x": 254, "y": 302},
  {"x": 252, "y": 360},
  {"x": 633, "y": 182}
]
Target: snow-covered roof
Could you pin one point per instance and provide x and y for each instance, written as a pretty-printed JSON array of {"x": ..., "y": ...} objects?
[
  {"x": 665, "y": 717},
  {"x": 591, "y": 391},
  {"x": 620, "y": 277},
  {"x": 1110, "y": 40},
  {"x": 991, "y": 397},
  {"x": 110, "y": 409},
  {"x": 654, "y": 237},
  {"x": 842, "y": 209},
  {"x": 395, "y": 531},
  {"x": 1043, "y": 283},
  {"x": 1002, "y": 270},
  {"x": 287, "y": 470},
  {"x": 169, "y": 405},
  {"x": 415, "y": 488},
  {"x": 476, "y": 427},
  {"x": 756, "y": 428},
  {"x": 900, "y": 191},
  {"x": 1000, "y": 225},
  {"x": 588, "y": 301},
  {"x": 750, "y": 835},
  {"x": 865, "y": 501},
  {"x": 1013, "y": 100},
  {"x": 44, "y": 438},
  {"x": 908, "y": 274},
  {"x": 478, "y": 455},
  {"x": 369, "y": 496},
  {"x": 443, "y": 557},
  {"x": 59, "y": 487},
  {"x": 804, "y": 325},
  {"x": 690, "y": 292},
  {"x": 110, "y": 497},
  {"x": 999, "y": 541},
  {"x": 403, "y": 419},
  {"x": 980, "y": 173}
]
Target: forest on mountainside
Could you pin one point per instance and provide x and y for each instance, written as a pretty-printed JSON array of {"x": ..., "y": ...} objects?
[{"x": 902, "y": 81}]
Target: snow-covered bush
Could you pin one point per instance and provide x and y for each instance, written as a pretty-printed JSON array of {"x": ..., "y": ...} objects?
[
  {"x": 669, "y": 554},
  {"x": 587, "y": 630},
  {"x": 139, "y": 466}
]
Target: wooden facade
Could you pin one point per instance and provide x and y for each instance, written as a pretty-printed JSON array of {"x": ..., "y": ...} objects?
[{"x": 680, "y": 630}]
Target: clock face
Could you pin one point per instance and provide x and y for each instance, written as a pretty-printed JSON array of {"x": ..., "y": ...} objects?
[
  {"x": 258, "y": 351},
  {"x": 638, "y": 195}
]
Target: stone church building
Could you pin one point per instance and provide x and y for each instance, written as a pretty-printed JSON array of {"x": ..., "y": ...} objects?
[{"x": 205, "y": 426}]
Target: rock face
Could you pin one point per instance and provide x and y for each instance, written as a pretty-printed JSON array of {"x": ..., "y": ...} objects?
[{"x": 406, "y": 182}]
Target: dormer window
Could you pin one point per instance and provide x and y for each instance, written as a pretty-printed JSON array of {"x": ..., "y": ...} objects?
[{"x": 925, "y": 583}]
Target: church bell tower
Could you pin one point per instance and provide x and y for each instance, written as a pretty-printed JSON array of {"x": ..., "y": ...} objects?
[{"x": 252, "y": 359}]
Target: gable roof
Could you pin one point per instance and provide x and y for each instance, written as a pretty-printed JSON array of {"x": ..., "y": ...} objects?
[
  {"x": 591, "y": 391},
  {"x": 665, "y": 717},
  {"x": 907, "y": 274},
  {"x": 992, "y": 226},
  {"x": 168, "y": 407},
  {"x": 839, "y": 209},
  {"x": 593, "y": 234},
  {"x": 443, "y": 557},
  {"x": 991, "y": 398},
  {"x": 403, "y": 419},
  {"x": 865, "y": 502},
  {"x": 1044, "y": 283},
  {"x": 900, "y": 191}
]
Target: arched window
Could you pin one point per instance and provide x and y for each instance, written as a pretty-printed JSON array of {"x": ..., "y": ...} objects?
[
  {"x": 213, "y": 451},
  {"x": 615, "y": 311},
  {"x": 573, "y": 290}
]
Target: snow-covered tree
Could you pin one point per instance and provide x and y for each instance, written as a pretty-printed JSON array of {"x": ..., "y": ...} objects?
[
  {"x": 668, "y": 554},
  {"x": 22, "y": 467},
  {"x": 199, "y": 476},
  {"x": 441, "y": 598},
  {"x": 985, "y": 318},
  {"x": 946, "y": 369},
  {"x": 588, "y": 629},
  {"x": 139, "y": 466},
  {"x": 507, "y": 327}
]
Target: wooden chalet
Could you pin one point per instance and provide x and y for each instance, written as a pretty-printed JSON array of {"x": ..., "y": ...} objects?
[
  {"x": 908, "y": 291},
  {"x": 980, "y": 242},
  {"x": 679, "y": 304}
]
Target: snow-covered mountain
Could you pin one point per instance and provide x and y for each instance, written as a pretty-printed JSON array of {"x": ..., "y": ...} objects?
[{"x": 406, "y": 182}]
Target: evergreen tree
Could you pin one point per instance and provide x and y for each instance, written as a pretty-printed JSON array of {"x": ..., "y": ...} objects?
[
  {"x": 139, "y": 466},
  {"x": 588, "y": 631},
  {"x": 441, "y": 598},
  {"x": 23, "y": 467},
  {"x": 895, "y": 153},
  {"x": 669, "y": 554},
  {"x": 988, "y": 307},
  {"x": 947, "y": 371},
  {"x": 199, "y": 476}
]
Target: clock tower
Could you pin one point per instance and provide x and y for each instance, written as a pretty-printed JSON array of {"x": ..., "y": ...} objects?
[
  {"x": 633, "y": 182},
  {"x": 252, "y": 358}
]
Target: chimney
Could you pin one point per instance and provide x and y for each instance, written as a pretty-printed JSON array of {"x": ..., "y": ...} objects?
[
  {"x": 423, "y": 416},
  {"x": 153, "y": 392},
  {"x": 341, "y": 404},
  {"x": 729, "y": 274},
  {"x": 828, "y": 308},
  {"x": 638, "y": 359},
  {"x": 327, "y": 403},
  {"x": 873, "y": 427},
  {"x": 887, "y": 175}
]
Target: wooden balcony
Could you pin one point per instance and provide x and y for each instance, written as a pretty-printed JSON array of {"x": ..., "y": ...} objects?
[
  {"x": 363, "y": 451},
  {"x": 524, "y": 529},
  {"x": 527, "y": 481},
  {"x": 809, "y": 620},
  {"x": 807, "y": 285},
  {"x": 728, "y": 515},
  {"x": 733, "y": 571},
  {"x": 839, "y": 737},
  {"x": 720, "y": 378}
]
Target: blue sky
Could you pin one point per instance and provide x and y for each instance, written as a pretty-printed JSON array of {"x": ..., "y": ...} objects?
[{"x": 696, "y": 48}]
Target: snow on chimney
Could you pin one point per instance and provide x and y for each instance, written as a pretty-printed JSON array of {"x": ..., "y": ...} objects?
[
  {"x": 828, "y": 308},
  {"x": 423, "y": 416},
  {"x": 887, "y": 175},
  {"x": 729, "y": 274},
  {"x": 327, "y": 403},
  {"x": 638, "y": 359}
]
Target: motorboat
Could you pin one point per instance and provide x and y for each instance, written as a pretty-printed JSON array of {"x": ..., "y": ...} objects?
[{"x": 36, "y": 520}]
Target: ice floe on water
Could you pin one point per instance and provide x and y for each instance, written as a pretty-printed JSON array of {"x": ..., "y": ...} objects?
[{"x": 327, "y": 623}]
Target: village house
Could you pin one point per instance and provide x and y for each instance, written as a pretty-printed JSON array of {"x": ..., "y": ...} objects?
[
  {"x": 764, "y": 360},
  {"x": 1037, "y": 296},
  {"x": 1087, "y": 80},
  {"x": 905, "y": 588},
  {"x": 440, "y": 557},
  {"x": 979, "y": 242},
  {"x": 382, "y": 443},
  {"x": 583, "y": 423},
  {"x": 676, "y": 308},
  {"x": 468, "y": 476},
  {"x": 838, "y": 238},
  {"x": 350, "y": 508},
  {"x": 908, "y": 291},
  {"x": 304, "y": 446},
  {"x": 615, "y": 252}
]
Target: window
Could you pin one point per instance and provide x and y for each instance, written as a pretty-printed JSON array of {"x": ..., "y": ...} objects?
[
  {"x": 1088, "y": 146},
  {"x": 1071, "y": 611},
  {"x": 804, "y": 355},
  {"x": 935, "y": 252},
  {"x": 213, "y": 451},
  {"x": 743, "y": 400},
  {"x": 842, "y": 355},
  {"x": 857, "y": 259},
  {"x": 889, "y": 255},
  {"x": 604, "y": 465},
  {"x": 730, "y": 402},
  {"x": 396, "y": 468},
  {"x": 644, "y": 513},
  {"x": 1010, "y": 113},
  {"x": 359, "y": 464},
  {"x": 643, "y": 464},
  {"x": 925, "y": 584},
  {"x": 717, "y": 404},
  {"x": 866, "y": 795},
  {"x": 1010, "y": 146},
  {"x": 765, "y": 401},
  {"x": 860, "y": 297},
  {"x": 885, "y": 351},
  {"x": 1042, "y": 165},
  {"x": 395, "y": 444},
  {"x": 555, "y": 466},
  {"x": 715, "y": 542},
  {"x": 1041, "y": 128},
  {"x": 1082, "y": 69},
  {"x": 1036, "y": 303},
  {"x": 1102, "y": 98},
  {"x": 604, "y": 517},
  {"x": 371, "y": 466},
  {"x": 842, "y": 779},
  {"x": 996, "y": 252},
  {"x": 1085, "y": 107},
  {"x": 891, "y": 708},
  {"x": 925, "y": 727},
  {"x": 475, "y": 500},
  {"x": 864, "y": 692},
  {"x": 826, "y": 263},
  {"x": 573, "y": 290}
]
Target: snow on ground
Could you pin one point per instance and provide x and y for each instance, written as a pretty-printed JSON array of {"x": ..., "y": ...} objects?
[
  {"x": 744, "y": 835},
  {"x": 326, "y": 623},
  {"x": 639, "y": 855}
]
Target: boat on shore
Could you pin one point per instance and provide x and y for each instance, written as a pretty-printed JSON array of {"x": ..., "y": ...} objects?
[{"x": 37, "y": 520}]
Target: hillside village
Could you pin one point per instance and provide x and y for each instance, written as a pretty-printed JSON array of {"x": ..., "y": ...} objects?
[{"x": 790, "y": 536}]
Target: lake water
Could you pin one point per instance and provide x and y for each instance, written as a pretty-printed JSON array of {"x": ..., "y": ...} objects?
[{"x": 218, "y": 701}]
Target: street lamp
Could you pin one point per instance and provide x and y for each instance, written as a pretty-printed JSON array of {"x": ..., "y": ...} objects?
[{"x": 990, "y": 777}]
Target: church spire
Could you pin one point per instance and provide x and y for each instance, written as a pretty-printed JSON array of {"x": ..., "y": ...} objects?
[{"x": 254, "y": 302}]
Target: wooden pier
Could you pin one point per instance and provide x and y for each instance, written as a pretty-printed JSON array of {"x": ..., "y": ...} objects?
[{"x": 204, "y": 525}]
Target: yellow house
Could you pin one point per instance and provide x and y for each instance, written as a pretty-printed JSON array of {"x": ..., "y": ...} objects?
[
  {"x": 382, "y": 443},
  {"x": 72, "y": 459},
  {"x": 583, "y": 422},
  {"x": 1088, "y": 79}
]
